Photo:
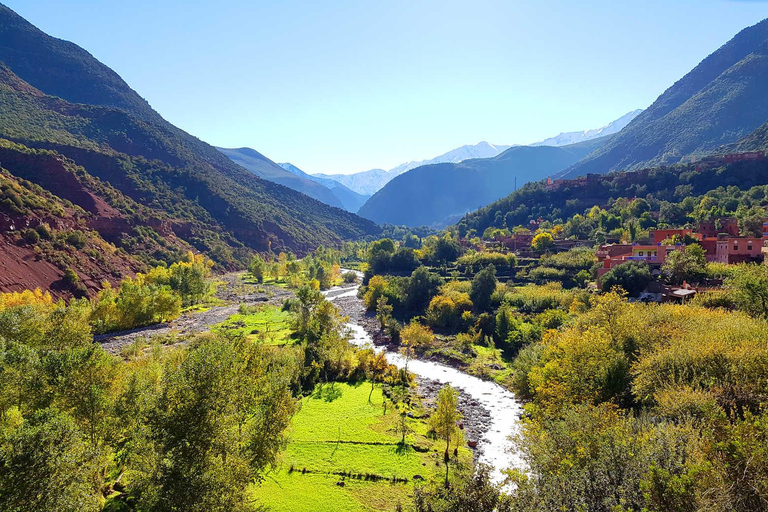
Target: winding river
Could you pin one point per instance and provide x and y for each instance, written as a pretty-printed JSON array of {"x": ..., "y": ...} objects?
[{"x": 495, "y": 448}]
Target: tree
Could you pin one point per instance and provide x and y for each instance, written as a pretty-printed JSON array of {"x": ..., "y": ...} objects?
[
  {"x": 375, "y": 289},
  {"x": 633, "y": 277},
  {"x": 401, "y": 397},
  {"x": 257, "y": 267},
  {"x": 383, "y": 311},
  {"x": 748, "y": 285},
  {"x": 45, "y": 466},
  {"x": 218, "y": 423},
  {"x": 483, "y": 285},
  {"x": 751, "y": 224},
  {"x": 446, "y": 250},
  {"x": 421, "y": 287},
  {"x": 688, "y": 265},
  {"x": 377, "y": 367},
  {"x": 444, "y": 420},
  {"x": 542, "y": 242}
]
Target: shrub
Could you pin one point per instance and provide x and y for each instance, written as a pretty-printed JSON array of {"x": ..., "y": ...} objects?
[
  {"x": 31, "y": 236},
  {"x": 446, "y": 309},
  {"x": 632, "y": 276},
  {"x": 417, "y": 335},
  {"x": 349, "y": 277},
  {"x": 76, "y": 239},
  {"x": 44, "y": 231},
  {"x": 483, "y": 259}
]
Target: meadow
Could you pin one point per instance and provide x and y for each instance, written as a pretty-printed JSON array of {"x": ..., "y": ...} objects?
[{"x": 338, "y": 432}]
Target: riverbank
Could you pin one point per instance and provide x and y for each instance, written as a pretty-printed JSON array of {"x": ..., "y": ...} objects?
[{"x": 492, "y": 413}]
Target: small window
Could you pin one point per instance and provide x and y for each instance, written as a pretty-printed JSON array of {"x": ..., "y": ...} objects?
[
  {"x": 749, "y": 247},
  {"x": 641, "y": 253}
]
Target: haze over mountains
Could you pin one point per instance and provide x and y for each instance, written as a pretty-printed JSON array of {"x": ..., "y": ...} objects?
[
  {"x": 370, "y": 182},
  {"x": 437, "y": 195},
  {"x": 575, "y": 137}
]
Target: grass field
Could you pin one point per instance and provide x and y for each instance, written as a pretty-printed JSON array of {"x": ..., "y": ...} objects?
[
  {"x": 338, "y": 430},
  {"x": 266, "y": 323}
]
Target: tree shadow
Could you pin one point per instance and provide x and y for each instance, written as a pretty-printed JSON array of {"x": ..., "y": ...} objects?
[
  {"x": 403, "y": 449},
  {"x": 327, "y": 392}
]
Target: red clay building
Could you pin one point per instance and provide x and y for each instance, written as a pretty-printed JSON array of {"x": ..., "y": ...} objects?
[{"x": 739, "y": 250}]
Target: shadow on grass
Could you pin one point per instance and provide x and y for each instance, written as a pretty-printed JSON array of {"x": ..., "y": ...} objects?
[
  {"x": 404, "y": 449},
  {"x": 327, "y": 392}
]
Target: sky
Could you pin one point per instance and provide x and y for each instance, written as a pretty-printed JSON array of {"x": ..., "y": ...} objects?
[{"x": 345, "y": 86}]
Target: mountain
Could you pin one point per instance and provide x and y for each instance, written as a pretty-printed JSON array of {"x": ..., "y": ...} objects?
[
  {"x": 721, "y": 100},
  {"x": 566, "y": 138},
  {"x": 349, "y": 199},
  {"x": 666, "y": 185},
  {"x": 265, "y": 168},
  {"x": 370, "y": 182},
  {"x": 755, "y": 141},
  {"x": 365, "y": 183},
  {"x": 438, "y": 194},
  {"x": 55, "y": 96}
]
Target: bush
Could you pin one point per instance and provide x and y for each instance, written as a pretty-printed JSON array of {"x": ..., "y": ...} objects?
[
  {"x": 31, "y": 236},
  {"x": 76, "y": 239},
  {"x": 44, "y": 231},
  {"x": 446, "y": 309},
  {"x": 483, "y": 259},
  {"x": 632, "y": 276},
  {"x": 349, "y": 277},
  {"x": 70, "y": 277}
]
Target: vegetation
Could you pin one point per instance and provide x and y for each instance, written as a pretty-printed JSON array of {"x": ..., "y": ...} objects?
[{"x": 57, "y": 97}]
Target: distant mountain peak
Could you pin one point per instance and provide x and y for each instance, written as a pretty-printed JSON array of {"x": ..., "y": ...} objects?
[{"x": 565, "y": 138}]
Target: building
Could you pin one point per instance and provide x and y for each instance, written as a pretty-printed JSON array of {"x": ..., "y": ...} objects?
[
  {"x": 739, "y": 250},
  {"x": 610, "y": 256},
  {"x": 659, "y": 235},
  {"x": 714, "y": 227}
]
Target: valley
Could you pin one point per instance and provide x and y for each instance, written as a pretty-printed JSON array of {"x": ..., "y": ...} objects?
[{"x": 576, "y": 323}]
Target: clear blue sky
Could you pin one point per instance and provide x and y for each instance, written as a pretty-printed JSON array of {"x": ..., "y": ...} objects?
[{"x": 344, "y": 86}]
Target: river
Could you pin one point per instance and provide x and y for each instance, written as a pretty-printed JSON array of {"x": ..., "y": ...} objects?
[{"x": 495, "y": 448}]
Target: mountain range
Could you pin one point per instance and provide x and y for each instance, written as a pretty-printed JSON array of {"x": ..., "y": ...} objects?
[
  {"x": 439, "y": 194},
  {"x": 146, "y": 173},
  {"x": 575, "y": 137},
  {"x": 721, "y": 100},
  {"x": 370, "y": 182}
]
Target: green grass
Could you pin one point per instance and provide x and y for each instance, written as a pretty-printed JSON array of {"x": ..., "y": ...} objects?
[
  {"x": 338, "y": 430},
  {"x": 264, "y": 323}
]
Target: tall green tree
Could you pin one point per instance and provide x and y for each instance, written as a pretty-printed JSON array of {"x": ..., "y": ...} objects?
[
  {"x": 483, "y": 285},
  {"x": 444, "y": 421}
]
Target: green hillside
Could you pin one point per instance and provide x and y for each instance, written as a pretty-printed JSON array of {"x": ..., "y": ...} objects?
[
  {"x": 661, "y": 187},
  {"x": 721, "y": 100},
  {"x": 265, "y": 168},
  {"x": 64, "y": 100}
]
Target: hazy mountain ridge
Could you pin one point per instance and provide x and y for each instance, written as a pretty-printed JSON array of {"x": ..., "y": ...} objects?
[
  {"x": 436, "y": 194},
  {"x": 350, "y": 200},
  {"x": 370, "y": 182},
  {"x": 566, "y": 138},
  {"x": 265, "y": 168}
]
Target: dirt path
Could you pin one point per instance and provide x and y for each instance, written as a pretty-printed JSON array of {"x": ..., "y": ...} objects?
[{"x": 231, "y": 289}]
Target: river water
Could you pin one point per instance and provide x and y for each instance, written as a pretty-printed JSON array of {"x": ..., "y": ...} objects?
[{"x": 495, "y": 449}]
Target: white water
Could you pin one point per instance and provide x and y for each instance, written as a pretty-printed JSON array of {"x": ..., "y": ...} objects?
[{"x": 496, "y": 447}]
